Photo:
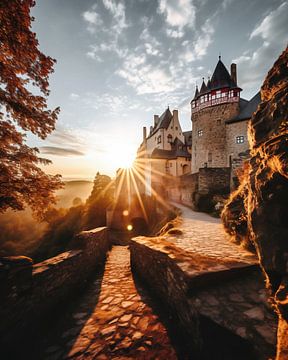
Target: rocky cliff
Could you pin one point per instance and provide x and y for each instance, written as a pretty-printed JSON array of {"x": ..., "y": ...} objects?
[{"x": 257, "y": 212}]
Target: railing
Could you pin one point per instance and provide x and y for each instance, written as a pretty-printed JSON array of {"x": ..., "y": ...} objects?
[{"x": 214, "y": 102}]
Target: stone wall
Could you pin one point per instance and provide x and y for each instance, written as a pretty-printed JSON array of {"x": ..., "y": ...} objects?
[
  {"x": 189, "y": 188},
  {"x": 30, "y": 292},
  {"x": 167, "y": 282},
  {"x": 210, "y": 147},
  {"x": 239, "y": 128},
  {"x": 214, "y": 180},
  {"x": 221, "y": 313}
]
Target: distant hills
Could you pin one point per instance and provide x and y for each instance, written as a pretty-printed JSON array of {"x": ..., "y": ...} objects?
[{"x": 73, "y": 189}]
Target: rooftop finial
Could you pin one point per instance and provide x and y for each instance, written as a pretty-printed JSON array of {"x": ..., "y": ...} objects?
[
  {"x": 203, "y": 78},
  {"x": 219, "y": 55}
]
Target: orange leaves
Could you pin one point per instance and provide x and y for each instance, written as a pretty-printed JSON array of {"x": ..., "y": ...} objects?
[{"x": 21, "y": 64}]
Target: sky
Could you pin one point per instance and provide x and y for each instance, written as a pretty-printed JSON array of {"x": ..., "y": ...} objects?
[{"x": 119, "y": 62}]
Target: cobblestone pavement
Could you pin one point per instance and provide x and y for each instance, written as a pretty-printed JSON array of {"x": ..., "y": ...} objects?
[
  {"x": 119, "y": 326},
  {"x": 205, "y": 235}
]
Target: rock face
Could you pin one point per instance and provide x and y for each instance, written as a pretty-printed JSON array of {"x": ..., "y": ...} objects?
[{"x": 257, "y": 211}]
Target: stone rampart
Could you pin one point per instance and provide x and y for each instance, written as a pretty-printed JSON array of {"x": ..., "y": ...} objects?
[
  {"x": 219, "y": 307},
  {"x": 214, "y": 180},
  {"x": 30, "y": 292}
]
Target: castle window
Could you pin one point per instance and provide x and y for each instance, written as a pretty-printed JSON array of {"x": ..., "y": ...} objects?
[
  {"x": 169, "y": 138},
  {"x": 200, "y": 133},
  {"x": 218, "y": 94},
  {"x": 176, "y": 127},
  {"x": 209, "y": 157},
  {"x": 159, "y": 139},
  {"x": 240, "y": 139}
]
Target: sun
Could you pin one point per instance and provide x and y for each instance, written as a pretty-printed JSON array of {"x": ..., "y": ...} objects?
[{"x": 122, "y": 156}]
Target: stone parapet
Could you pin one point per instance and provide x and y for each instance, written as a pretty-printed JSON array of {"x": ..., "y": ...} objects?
[
  {"x": 213, "y": 288},
  {"x": 30, "y": 291}
]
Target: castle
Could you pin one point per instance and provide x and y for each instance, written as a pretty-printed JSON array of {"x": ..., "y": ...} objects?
[{"x": 180, "y": 164}]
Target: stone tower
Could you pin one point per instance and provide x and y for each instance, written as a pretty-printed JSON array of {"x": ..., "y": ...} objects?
[{"x": 216, "y": 102}]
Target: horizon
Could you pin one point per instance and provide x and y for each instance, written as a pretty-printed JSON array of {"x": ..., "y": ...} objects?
[{"x": 109, "y": 84}]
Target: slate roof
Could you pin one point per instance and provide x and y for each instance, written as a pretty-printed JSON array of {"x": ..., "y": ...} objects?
[
  {"x": 247, "y": 109},
  {"x": 203, "y": 89},
  {"x": 196, "y": 93},
  {"x": 164, "y": 121},
  {"x": 221, "y": 77},
  {"x": 188, "y": 137},
  {"x": 178, "y": 149}
]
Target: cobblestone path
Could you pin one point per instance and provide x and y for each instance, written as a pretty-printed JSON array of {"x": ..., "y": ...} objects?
[
  {"x": 119, "y": 326},
  {"x": 205, "y": 235}
]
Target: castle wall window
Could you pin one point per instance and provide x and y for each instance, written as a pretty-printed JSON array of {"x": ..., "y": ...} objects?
[
  {"x": 240, "y": 139},
  {"x": 200, "y": 133},
  {"x": 209, "y": 157},
  {"x": 159, "y": 139},
  {"x": 169, "y": 139}
]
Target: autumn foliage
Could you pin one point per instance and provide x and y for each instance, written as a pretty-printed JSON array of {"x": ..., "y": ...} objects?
[{"x": 22, "y": 68}]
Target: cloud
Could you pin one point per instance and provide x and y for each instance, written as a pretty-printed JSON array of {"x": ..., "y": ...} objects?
[
  {"x": 74, "y": 96},
  {"x": 118, "y": 12},
  {"x": 204, "y": 39},
  {"x": 58, "y": 151},
  {"x": 93, "y": 20},
  {"x": 144, "y": 77},
  {"x": 176, "y": 34},
  {"x": 108, "y": 34},
  {"x": 272, "y": 30},
  {"x": 273, "y": 25},
  {"x": 178, "y": 13},
  {"x": 92, "y": 17}
]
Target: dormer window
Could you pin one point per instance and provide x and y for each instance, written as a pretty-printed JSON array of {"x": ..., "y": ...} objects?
[
  {"x": 169, "y": 138},
  {"x": 159, "y": 139}
]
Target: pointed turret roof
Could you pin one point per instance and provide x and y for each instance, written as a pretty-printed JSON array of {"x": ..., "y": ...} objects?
[
  {"x": 196, "y": 93},
  {"x": 221, "y": 77},
  {"x": 208, "y": 83},
  {"x": 203, "y": 89}
]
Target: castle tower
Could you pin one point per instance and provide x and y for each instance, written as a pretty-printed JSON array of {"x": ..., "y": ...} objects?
[{"x": 215, "y": 103}]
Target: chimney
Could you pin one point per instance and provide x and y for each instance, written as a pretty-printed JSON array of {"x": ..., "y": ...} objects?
[
  {"x": 144, "y": 134},
  {"x": 175, "y": 114},
  {"x": 234, "y": 73},
  {"x": 156, "y": 119}
]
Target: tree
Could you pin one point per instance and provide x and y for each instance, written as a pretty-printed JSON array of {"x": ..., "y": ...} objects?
[
  {"x": 99, "y": 200},
  {"x": 23, "y": 67}
]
